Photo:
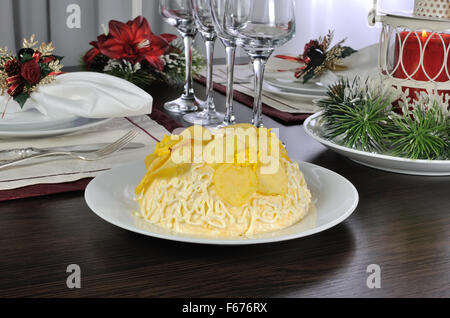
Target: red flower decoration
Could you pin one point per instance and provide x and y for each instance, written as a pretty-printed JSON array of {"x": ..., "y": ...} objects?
[
  {"x": 313, "y": 44},
  {"x": 31, "y": 72},
  {"x": 133, "y": 41},
  {"x": 92, "y": 53}
]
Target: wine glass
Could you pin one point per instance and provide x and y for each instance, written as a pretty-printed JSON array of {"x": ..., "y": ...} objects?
[
  {"x": 202, "y": 15},
  {"x": 259, "y": 26},
  {"x": 179, "y": 14},
  {"x": 217, "y": 8}
]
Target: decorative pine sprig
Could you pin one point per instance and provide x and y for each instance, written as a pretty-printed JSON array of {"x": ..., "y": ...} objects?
[
  {"x": 361, "y": 127},
  {"x": 421, "y": 134},
  {"x": 358, "y": 114},
  {"x": 355, "y": 115}
]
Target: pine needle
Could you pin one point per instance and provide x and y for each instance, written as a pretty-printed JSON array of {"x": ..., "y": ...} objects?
[
  {"x": 352, "y": 119},
  {"x": 358, "y": 115},
  {"x": 422, "y": 134}
]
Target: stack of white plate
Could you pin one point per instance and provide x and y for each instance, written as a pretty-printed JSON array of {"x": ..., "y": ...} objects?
[
  {"x": 31, "y": 123},
  {"x": 280, "y": 79}
]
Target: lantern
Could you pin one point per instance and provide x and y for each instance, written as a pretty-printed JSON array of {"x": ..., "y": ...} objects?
[{"x": 414, "y": 51}]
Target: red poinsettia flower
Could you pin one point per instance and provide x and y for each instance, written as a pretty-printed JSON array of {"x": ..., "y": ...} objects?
[
  {"x": 92, "y": 53},
  {"x": 133, "y": 41}
]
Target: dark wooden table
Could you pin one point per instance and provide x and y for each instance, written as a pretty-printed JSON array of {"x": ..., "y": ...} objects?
[{"x": 402, "y": 224}]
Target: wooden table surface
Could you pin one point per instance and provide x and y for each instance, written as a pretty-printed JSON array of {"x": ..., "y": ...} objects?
[{"x": 402, "y": 224}]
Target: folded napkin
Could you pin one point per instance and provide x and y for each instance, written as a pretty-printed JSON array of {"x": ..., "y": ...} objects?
[
  {"x": 63, "y": 169},
  {"x": 363, "y": 64},
  {"x": 84, "y": 94}
]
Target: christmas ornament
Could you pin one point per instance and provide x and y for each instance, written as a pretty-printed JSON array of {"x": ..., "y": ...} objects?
[{"x": 21, "y": 74}]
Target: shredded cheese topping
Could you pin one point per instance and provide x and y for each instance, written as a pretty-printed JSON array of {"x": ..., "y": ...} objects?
[{"x": 188, "y": 203}]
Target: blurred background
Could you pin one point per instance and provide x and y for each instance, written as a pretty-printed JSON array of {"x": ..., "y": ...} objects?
[{"x": 57, "y": 21}]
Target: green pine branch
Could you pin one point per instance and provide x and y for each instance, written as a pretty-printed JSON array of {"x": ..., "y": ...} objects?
[
  {"x": 359, "y": 118},
  {"x": 423, "y": 134}
]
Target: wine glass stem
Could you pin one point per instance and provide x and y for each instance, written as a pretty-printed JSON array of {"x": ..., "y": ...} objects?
[
  {"x": 209, "y": 104},
  {"x": 230, "y": 51},
  {"x": 259, "y": 64},
  {"x": 189, "y": 85}
]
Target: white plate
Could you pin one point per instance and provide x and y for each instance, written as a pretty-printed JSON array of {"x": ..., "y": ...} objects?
[
  {"x": 31, "y": 119},
  {"x": 111, "y": 196},
  {"x": 314, "y": 128},
  {"x": 362, "y": 63},
  {"x": 49, "y": 127}
]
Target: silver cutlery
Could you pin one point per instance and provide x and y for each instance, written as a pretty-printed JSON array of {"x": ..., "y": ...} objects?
[
  {"x": 21, "y": 153},
  {"x": 82, "y": 155}
]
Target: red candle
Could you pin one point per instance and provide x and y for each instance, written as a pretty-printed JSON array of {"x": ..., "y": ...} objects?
[{"x": 433, "y": 58}]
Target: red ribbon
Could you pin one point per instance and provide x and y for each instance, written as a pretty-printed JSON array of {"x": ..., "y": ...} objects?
[
  {"x": 298, "y": 71},
  {"x": 290, "y": 58},
  {"x": 36, "y": 56},
  {"x": 15, "y": 84}
]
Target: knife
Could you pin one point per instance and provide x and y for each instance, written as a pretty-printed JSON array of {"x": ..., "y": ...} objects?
[{"x": 20, "y": 153}]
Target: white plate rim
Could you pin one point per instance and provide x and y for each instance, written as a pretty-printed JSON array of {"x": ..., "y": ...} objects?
[
  {"x": 210, "y": 241},
  {"x": 6, "y": 124},
  {"x": 52, "y": 132},
  {"x": 333, "y": 145}
]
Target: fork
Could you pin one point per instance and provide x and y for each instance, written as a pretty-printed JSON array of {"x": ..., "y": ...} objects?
[{"x": 87, "y": 156}]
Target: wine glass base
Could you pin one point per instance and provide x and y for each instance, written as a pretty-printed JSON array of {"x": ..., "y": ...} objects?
[
  {"x": 205, "y": 118},
  {"x": 183, "y": 105},
  {"x": 226, "y": 124}
]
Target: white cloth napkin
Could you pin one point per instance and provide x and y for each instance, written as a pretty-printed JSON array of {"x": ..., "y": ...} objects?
[
  {"x": 85, "y": 94},
  {"x": 64, "y": 169},
  {"x": 363, "y": 63}
]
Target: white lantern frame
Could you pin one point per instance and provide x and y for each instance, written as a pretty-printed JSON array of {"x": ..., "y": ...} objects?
[{"x": 396, "y": 23}]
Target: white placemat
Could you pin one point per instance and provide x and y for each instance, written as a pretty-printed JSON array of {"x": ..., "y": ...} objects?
[
  {"x": 244, "y": 84},
  {"x": 64, "y": 169}
]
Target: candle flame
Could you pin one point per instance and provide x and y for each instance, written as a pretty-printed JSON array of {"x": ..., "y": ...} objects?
[{"x": 424, "y": 33}]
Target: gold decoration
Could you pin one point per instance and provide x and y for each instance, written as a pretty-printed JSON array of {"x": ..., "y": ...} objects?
[
  {"x": 3, "y": 85},
  {"x": 46, "y": 49},
  {"x": 55, "y": 66},
  {"x": 31, "y": 43},
  {"x": 4, "y": 51}
]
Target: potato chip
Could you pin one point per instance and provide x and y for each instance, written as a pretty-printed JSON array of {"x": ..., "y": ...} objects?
[
  {"x": 272, "y": 183},
  {"x": 234, "y": 184}
]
